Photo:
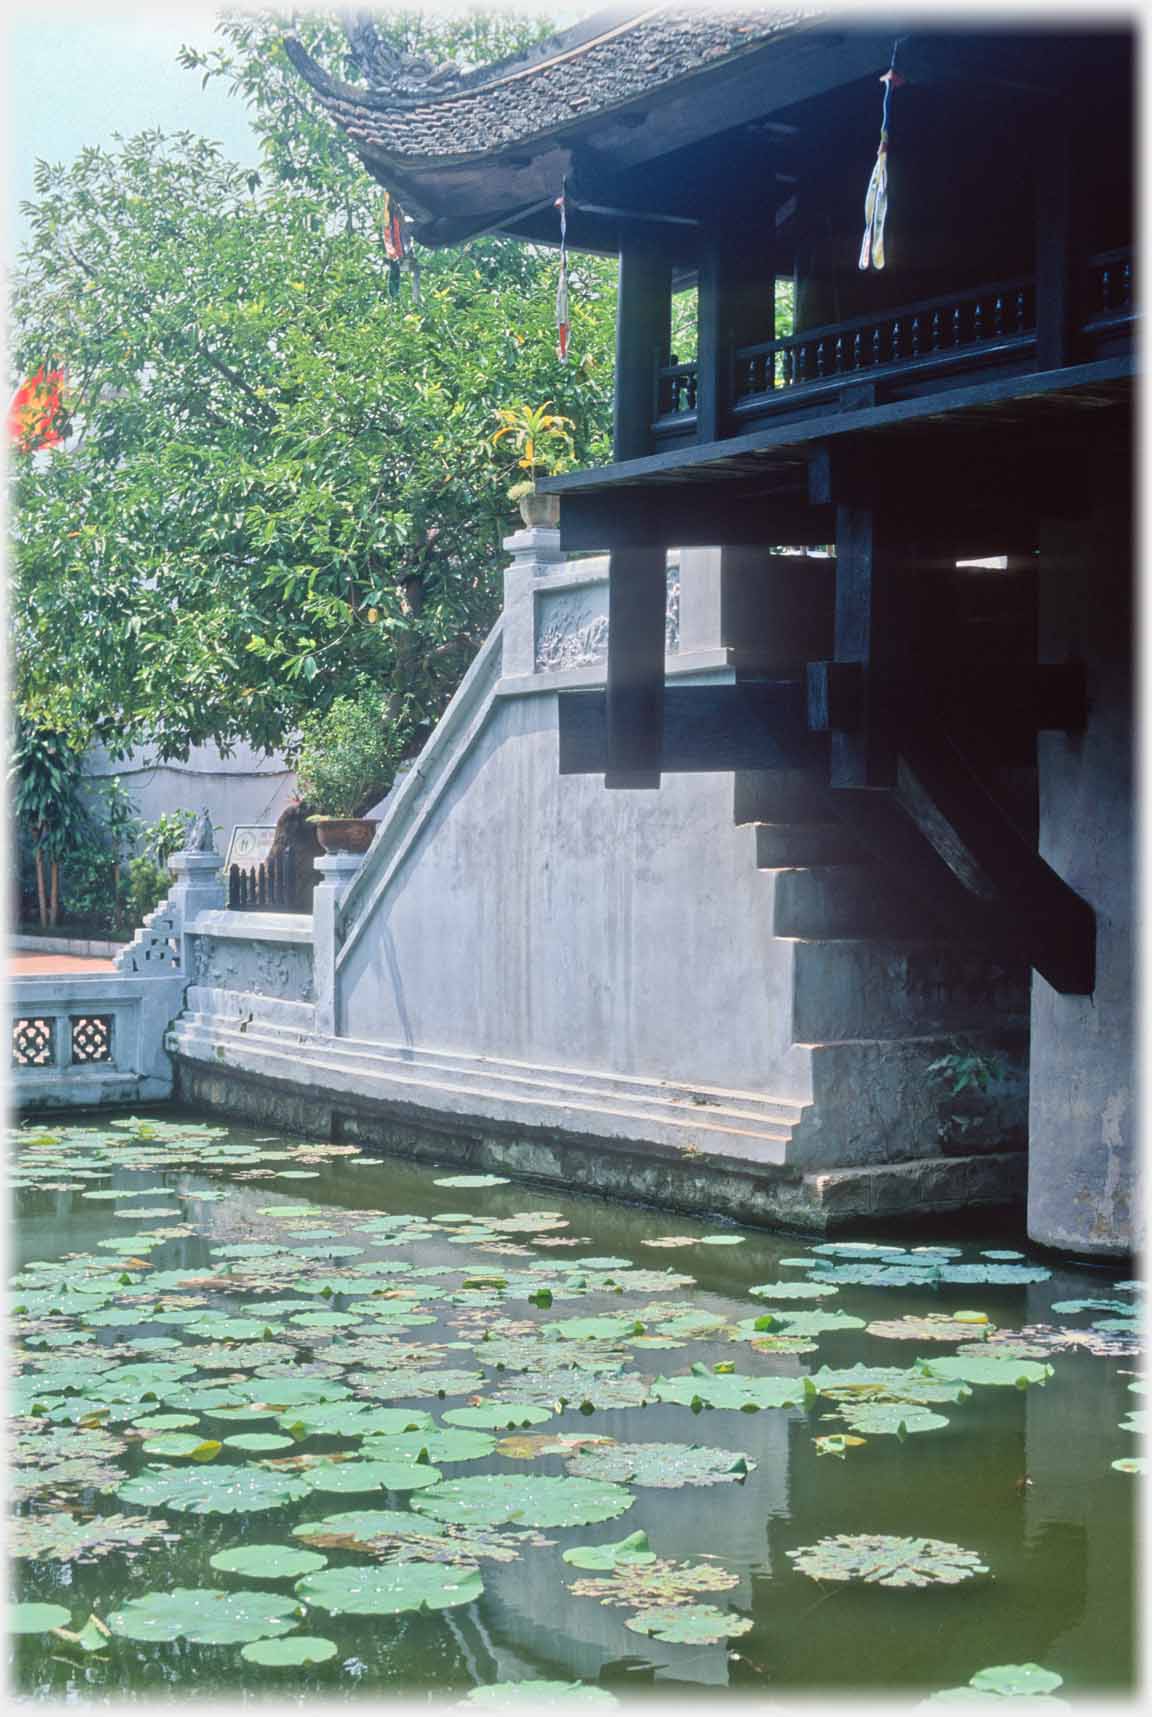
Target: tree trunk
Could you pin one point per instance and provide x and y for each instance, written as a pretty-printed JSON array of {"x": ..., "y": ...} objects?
[
  {"x": 41, "y": 893},
  {"x": 54, "y": 911},
  {"x": 117, "y": 907}
]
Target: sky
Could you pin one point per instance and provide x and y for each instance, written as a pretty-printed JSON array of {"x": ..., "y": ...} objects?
[{"x": 77, "y": 74}]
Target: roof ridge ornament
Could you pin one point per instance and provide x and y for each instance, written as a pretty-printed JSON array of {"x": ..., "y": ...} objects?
[{"x": 392, "y": 71}]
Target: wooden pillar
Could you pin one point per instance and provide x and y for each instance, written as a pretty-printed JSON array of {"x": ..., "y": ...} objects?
[
  {"x": 643, "y": 319},
  {"x": 737, "y": 307},
  {"x": 637, "y": 600},
  {"x": 870, "y": 559},
  {"x": 1055, "y": 307}
]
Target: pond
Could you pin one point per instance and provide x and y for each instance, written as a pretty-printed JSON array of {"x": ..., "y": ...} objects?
[{"x": 293, "y": 1418}]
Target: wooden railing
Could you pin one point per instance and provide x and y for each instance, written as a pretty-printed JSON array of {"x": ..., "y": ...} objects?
[
  {"x": 914, "y": 335},
  {"x": 981, "y": 326},
  {"x": 266, "y": 887}
]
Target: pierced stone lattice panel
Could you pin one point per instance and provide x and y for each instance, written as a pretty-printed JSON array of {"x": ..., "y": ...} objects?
[
  {"x": 91, "y": 1037},
  {"x": 34, "y": 1042}
]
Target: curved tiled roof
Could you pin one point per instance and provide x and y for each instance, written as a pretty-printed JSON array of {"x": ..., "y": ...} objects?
[{"x": 583, "y": 72}]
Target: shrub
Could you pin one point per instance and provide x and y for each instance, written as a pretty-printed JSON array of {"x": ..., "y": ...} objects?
[{"x": 348, "y": 755}]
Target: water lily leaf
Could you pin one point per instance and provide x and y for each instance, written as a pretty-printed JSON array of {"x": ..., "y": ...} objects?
[
  {"x": 786, "y": 1320},
  {"x": 793, "y": 1290},
  {"x": 690, "y": 1624},
  {"x": 204, "y": 1616},
  {"x": 436, "y": 1445},
  {"x": 594, "y": 1329},
  {"x": 353, "y": 1419},
  {"x": 36, "y": 1618},
  {"x": 665, "y": 1466},
  {"x": 1128, "y": 1464},
  {"x": 257, "y": 1443},
  {"x": 290, "y": 1392},
  {"x": 990, "y": 1368},
  {"x": 877, "y": 1418},
  {"x": 473, "y": 1180},
  {"x": 574, "y": 1388},
  {"x": 182, "y": 1448},
  {"x": 497, "y": 1415},
  {"x": 539, "y": 1695},
  {"x": 633, "y": 1549},
  {"x": 1012, "y": 1680},
  {"x": 494, "y": 1499},
  {"x": 528, "y": 1448},
  {"x": 93, "y": 1636},
  {"x": 387, "y": 1591},
  {"x": 399, "y": 1383},
  {"x": 874, "y": 1559},
  {"x": 837, "y": 1446},
  {"x": 654, "y": 1583},
  {"x": 935, "y": 1326},
  {"x": 212, "y": 1490},
  {"x": 676, "y": 1241},
  {"x": 722, "y": 1239},
  {"x": 268, "y": 1562},
  {"x": 732, "y": 1390},
  {"x": 345, "y": 1477},
  {"x": 292, "y": 1653},
  {"x": 324, "y": 1320},
  {"x": 61, "y": 1537},
  {"x": 888, "y": 1383}
]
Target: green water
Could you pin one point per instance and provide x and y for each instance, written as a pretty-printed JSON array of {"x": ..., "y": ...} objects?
[{"x": 1023, "y": 1477}]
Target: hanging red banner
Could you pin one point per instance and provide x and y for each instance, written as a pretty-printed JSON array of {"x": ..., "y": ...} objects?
[{"x": 36, "y": 413}]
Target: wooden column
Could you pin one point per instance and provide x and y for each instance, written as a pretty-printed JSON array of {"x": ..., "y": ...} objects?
[
  {"x": 643, "y": 316},
  {"x": 637, "y": 599},
  {"x": 869, "y": 561},
  {"x": 1055, "y": 308},
  {"x": 737, "y": 307}
]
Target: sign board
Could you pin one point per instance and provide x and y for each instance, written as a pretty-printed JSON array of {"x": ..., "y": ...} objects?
[{"x": 250, "y": 845}]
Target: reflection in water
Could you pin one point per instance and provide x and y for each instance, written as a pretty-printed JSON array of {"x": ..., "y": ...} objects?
[{"x": 1022, "y": 1477}]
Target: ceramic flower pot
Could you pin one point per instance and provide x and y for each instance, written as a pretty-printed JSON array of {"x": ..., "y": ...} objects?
[
  {"x": 344, "y": 834},
  {"x": 540, "y": 510}
]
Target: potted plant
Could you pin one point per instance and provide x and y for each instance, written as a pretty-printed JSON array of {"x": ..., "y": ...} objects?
[
  {"x": 542, "y": 442},
  {"x": 346, "y": 761}
]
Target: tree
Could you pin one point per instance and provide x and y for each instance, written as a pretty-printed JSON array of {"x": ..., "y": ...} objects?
[{"x": 281, "y": 480}]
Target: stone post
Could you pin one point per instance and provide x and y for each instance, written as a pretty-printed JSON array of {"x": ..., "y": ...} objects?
[
  {"x": 336, "y": 873},
  {"x": 197, "y": 887},
  {"x": 536, "y": 553}
]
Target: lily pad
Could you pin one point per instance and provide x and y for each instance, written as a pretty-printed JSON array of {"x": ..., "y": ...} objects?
[
  {"x": 689, "y": 1624},
  {"x": 1014, "y": 1680},
  {"x": 268, "y": 1562},
  {"x": 495, "y": 1499},
  {"x": 990, "y": 1368},
  {"x": 387, "y": 1591},
  {"x": 732, "y": 1390},
  {"x": 473, "y": 1180},
  {"x": 204, "y": 1616},
  {"x": 292, "y": 1653},
  {"x": 879, "y": 1418},
  {"x": 655, "y": 1583},
  {"x": 497, "y": 1415},
  {"x": 36, "y": 1618},
  {"x": 61, "y": 1537},
  {"x": 665, "y": 1466},
  {"x": 212, "y": 1490},
  {"x": 539, "y": 1695},
  {"x": 793, "y": 1290},
  {"x": 351, "y": 1477},
  {"x": 633, "y": 1549},
  {"x": 435, "y": 1445},
  {"x": 876, "y": 1560}
]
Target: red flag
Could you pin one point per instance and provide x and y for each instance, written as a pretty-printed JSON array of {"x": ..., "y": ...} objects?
[{"x": 37, "y": 410}]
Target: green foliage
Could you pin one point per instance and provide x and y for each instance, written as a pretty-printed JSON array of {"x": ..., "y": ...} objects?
[
  {"x": 348, "y": 754},
  {"x": 967, "y": 1070},
  {"x": 281, "y": 477}
]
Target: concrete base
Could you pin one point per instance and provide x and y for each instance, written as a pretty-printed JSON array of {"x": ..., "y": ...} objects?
[{"x": 675, "y": 1178}]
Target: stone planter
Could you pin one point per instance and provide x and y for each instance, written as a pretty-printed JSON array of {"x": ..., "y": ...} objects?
[
  {"x": 539, "y": 511},
  {"x": 344, "y": 834}
]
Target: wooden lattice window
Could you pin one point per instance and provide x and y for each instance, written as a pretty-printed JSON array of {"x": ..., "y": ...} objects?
[
  {"x": 91, "y": 1037},
  {"x": 34, "y": 1042}
]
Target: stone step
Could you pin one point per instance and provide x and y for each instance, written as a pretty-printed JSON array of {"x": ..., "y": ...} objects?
[
  {"x": 848, "y": 900},
  {"x": 885, "y": 989},
  {"x": 790, "y": 846},
  {"x": 740, "y": 1123}
]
